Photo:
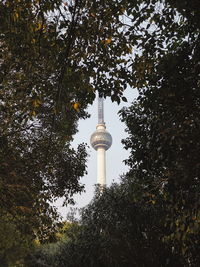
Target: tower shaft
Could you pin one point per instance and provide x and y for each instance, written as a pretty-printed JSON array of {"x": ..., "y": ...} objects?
[{"x": 101, "y": 166}]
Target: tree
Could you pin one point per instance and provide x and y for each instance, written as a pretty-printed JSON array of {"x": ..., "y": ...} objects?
[
  {"x": 50, "y": 67},
  {"x": 163, "y": 123},
  {"x": 114, "y": 230},
  {"x": 163, "y": 139},
  {"x": 14, "y": 243},
  {"x": 30, "y": 182}
]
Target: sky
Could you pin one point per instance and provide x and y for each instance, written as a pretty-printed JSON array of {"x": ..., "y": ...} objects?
[{"x": 114, "y": 156}]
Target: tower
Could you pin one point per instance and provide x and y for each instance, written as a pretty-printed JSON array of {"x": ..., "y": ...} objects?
[{"x": 101, "y": 141}]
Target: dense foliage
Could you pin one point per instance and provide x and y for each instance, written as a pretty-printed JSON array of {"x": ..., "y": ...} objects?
[
  {"x": 163, "y": 124},
  {"x": 50, "y": 67},
  {"x": 114, "y": 231},
  {"x": 154, "y": 213},
  {"x": 55, "y": 54}
]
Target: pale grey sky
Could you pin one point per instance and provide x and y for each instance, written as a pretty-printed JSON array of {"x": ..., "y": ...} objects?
[{"x": 114, "y": 156}]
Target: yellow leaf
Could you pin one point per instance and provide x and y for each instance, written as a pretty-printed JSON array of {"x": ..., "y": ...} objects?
[
  {"x": 36, "y": 242},
  {"x": 36, "y": 103},
  {"x": 16, "y": 15},
  {"x": 93, "y": 15},
  {"x": 33, "y": 113},
  {"x": 108, "y": 41},
  {"x": 76, "y": 106},
  {"x": 39, "y": 26},
  {"x": 122, "y": 10}
]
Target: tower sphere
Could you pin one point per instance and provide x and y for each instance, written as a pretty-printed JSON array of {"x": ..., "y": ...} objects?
[{"x": 101, "y": 138}]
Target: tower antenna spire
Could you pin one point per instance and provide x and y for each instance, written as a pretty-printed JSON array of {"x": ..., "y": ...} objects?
[{"x": 100, "y": 110}]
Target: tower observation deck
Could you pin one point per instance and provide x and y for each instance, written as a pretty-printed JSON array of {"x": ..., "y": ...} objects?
[{"x": 101, "y": 140}]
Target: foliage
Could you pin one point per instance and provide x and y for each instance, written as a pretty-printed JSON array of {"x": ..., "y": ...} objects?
[
  {"x": 51, "y": 254},
  {"x": 114, "y": 230},
  {"x": 50, "y": 67},
  {"x": 155, "y": 212},
  {"x": 14, "y": 243},
  {"x": 163, "y": 123},
  {"x": 49, "y": 70},
  {"x": 26, "y": 196},
  {"x": 54, "y": 61}
]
